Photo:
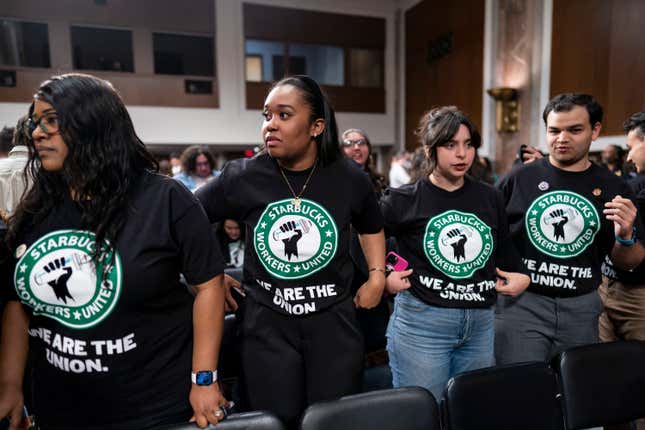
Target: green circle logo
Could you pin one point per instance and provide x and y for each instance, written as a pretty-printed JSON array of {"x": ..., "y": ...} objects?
[
  {"x": 457, "y": 243},
  {"x": 57, "y": 277},
  {"x": 295, "y": 240},
  {"x": 561, "y": 224}
]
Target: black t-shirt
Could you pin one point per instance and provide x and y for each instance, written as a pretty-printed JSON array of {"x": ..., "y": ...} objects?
[
  {"x": 637, "y": 183},
  {"x": 557, "y": 223},
  {"x": 452, "y": 239},
  {"x": 115, "y": 353},
  {"x": 297, "y": 257},
  {"x": 635, "y": 276}
]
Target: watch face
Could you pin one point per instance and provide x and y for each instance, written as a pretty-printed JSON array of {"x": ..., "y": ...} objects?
[{"x": 204, "y": 378}]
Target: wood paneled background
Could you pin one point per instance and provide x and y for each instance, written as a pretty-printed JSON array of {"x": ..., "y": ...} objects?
[
  {"x": 597, "y": 48},
  {"x": 455, "y": 79}
]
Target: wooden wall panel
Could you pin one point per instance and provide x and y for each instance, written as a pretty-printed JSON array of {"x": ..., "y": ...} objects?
[
  {"x": 457, "y": 78},
  {"x": 194, "y": 16},
  {"x": 296, "y": 25},
  {"x": 343, "y": 99},
  {"x": 136, "y": 89},
  {"x": 597, "y": 48}
]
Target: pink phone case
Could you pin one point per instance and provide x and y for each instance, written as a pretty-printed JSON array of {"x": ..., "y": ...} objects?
[{"x": 395, "y": 261}]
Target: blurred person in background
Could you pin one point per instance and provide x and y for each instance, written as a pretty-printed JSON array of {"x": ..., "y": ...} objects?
[
  {"x": 197, "y": 167},
  {"x": 6, "y": 139},
  {"x": 357, "y": 145},
  {"x": 12, "y": 178},
  {"x": 230, "y": 237},
  {"x": 175, "y": 163},
  {"x": 613, "y": 158},
  {"x": 399, "y": 169}
]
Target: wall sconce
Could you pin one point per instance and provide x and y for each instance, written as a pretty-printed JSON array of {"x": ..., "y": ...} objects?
[{"x": 507, "y": 109}]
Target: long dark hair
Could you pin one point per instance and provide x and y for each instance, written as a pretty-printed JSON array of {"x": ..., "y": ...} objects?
[
  {"x": 328, "y": 149},
  {"x": 105, "y": 158}
]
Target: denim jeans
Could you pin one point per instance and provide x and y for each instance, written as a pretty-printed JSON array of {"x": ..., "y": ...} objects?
[{"x": 428, "y": 345}]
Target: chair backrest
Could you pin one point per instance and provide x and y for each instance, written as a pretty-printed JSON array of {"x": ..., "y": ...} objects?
[
  {"x": 518, "y": 396},
  {"x": 412, "y": 408},
  {"x": 229, "y": 357},
  {"x": 243, "y": 421},
  {"x": 602, "y": 384}
]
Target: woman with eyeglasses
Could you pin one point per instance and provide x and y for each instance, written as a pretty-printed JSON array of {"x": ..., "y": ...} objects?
[
  {"x": 198, "y": 167},
  {"x": 297, "y": 199},
  {"x": 99, "y": 243},
  {"x": 453, "y": 232},
  {"x": 357, "y": 146}
]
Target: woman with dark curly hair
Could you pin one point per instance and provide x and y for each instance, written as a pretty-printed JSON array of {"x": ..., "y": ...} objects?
[
  {"x": 198, "y": 167},
  {"x": 99, "y": 243}
]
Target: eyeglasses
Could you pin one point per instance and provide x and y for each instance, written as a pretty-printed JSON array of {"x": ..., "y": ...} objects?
[
  {"x": 47, "y": 123},
  {"x": 360, "y": 142}
]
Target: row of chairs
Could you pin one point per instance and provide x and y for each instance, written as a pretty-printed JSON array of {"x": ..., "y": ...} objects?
[{"x": 588, "y": 386}]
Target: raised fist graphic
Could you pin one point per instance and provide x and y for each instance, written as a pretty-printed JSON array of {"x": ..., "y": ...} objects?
[
  {"x": 558, "y": 220},
  {"x": 457, "y": 240},
  {"x": 63, "y": 272},
  {"x": 291, "y": 242}
]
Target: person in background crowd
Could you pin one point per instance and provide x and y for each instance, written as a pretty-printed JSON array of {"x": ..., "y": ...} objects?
[
  {"x": 399, "y": 169},
  {"x": 613, "y": 158},
  {"x": 623, "y": 292},
  {"x": 198, "y": 167},
  {"x": 565, "y": 214},
  {"x": 100, "y": 241},
  {"x": 418, "y": 165},
  {"x": 12, "y": 177},
  {"x": 230, "y": 238},
  {"x": 6, "y": 139},
  {"x": 300, "y": 195},
  {"x": 175, "y": 163},
  {"x": 634, "y": 138},
  {"x": 164, "y": 167},
  {"x": 453, "y": 232},
  {"x": 527, "y": 154},
  {"x": 482, "y": 170},
  {"x": 356, "y": 145}
]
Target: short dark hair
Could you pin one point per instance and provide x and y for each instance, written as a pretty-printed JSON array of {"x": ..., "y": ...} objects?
[
  {"x": 189, "y": 158},
  {"x": 636, "y": 122},
  {"x": 439, "y": 125},
  {"x": 328, "y": 143},
  {"x": 6, "y": 139},
  {"x": 567, "y": 101}
]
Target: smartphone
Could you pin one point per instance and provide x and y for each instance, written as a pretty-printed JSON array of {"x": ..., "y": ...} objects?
[{"x": 395, "y": 262}]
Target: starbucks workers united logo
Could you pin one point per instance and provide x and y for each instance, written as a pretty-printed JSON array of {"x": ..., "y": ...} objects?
[
  {"x": 57, "y": 277},
  {"x": 562, "y": 224},
  {"x": 293, "y": 241},
  {"x": 457, "y": 243}
]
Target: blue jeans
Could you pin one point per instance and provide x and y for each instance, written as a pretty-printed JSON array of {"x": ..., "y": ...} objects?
[{"x": 428, "y": 345}]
